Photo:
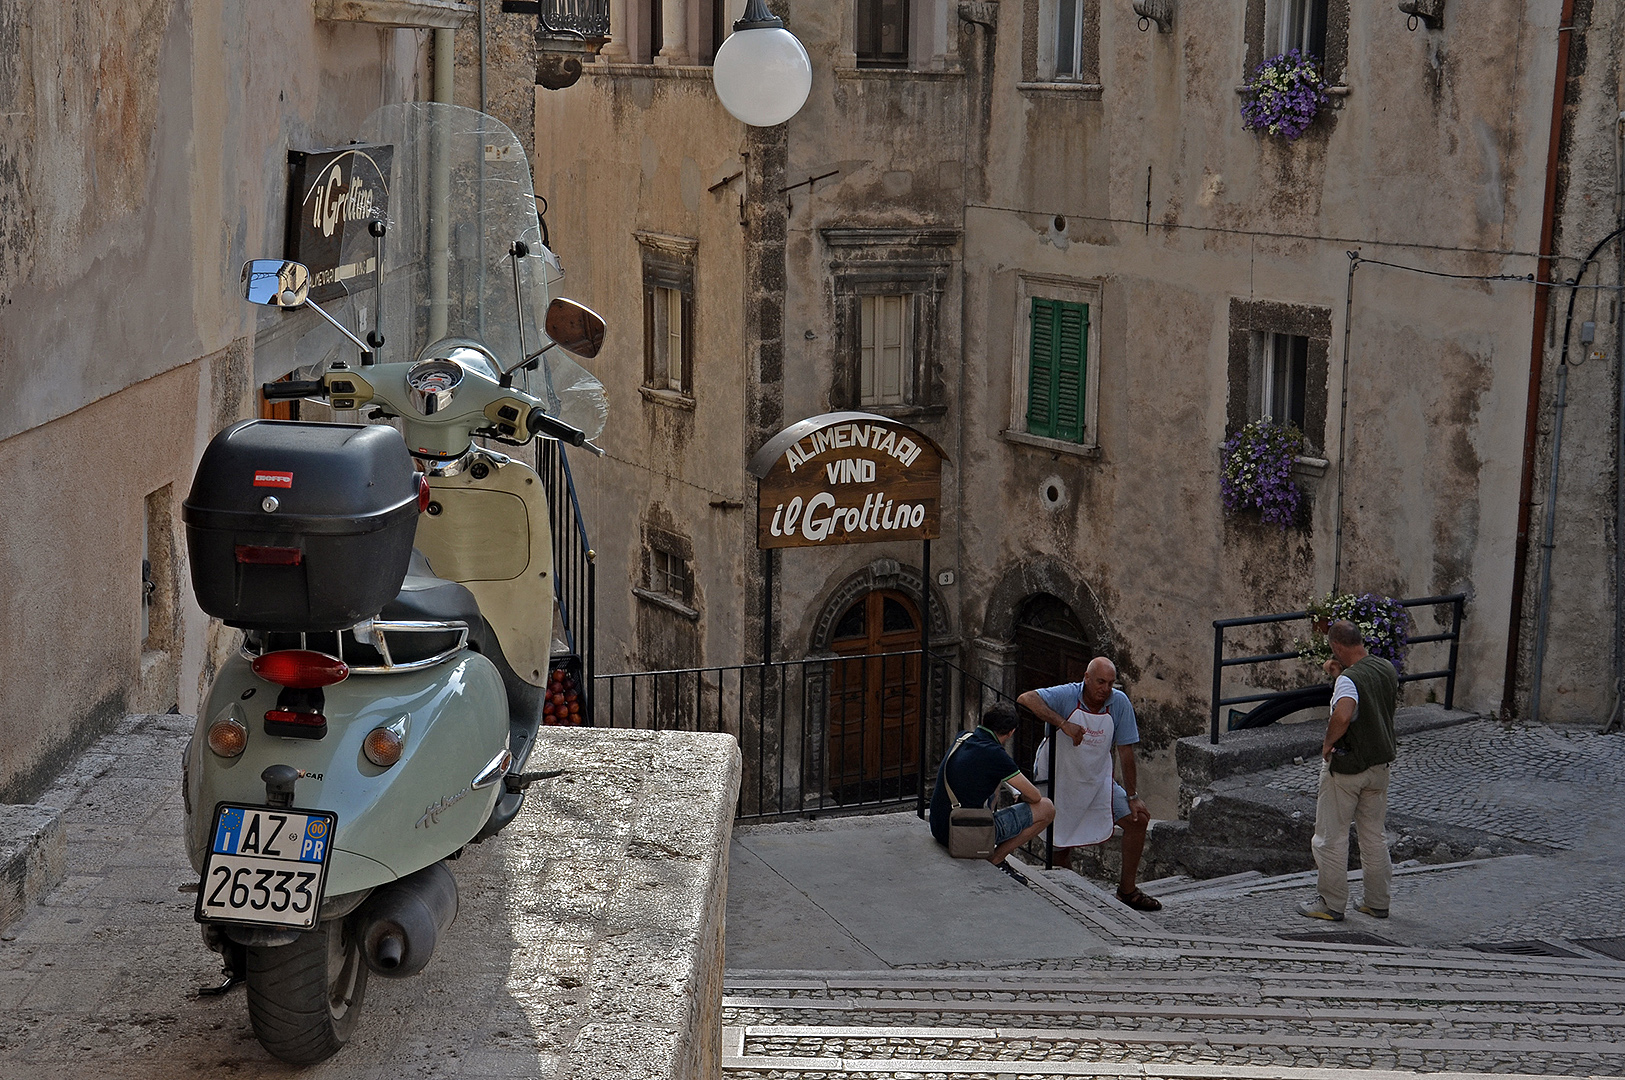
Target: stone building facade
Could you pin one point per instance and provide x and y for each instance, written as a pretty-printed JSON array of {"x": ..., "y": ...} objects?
[
  {"x": 143, "y": 159},
  {"x": 964, "y": 169}
]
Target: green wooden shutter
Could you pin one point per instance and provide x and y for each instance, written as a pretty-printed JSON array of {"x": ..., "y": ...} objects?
[
  {"x": 1041, "y": 369},
  {"x": 1056, "y": 369},
  {"x": 1072, "y": 325}
]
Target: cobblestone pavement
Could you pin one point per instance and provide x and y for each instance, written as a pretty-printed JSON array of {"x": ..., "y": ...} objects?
[{"x": 1537, "y": 783}]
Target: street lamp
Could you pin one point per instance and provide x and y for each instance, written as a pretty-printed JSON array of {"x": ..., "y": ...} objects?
[{"x": 762, "y": 73}]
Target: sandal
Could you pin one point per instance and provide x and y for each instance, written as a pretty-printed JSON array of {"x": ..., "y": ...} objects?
[{"x": 1139, "y": 901}]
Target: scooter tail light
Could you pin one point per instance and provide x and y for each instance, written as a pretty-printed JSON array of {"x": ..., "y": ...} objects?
[
  {"x": 227, "y": 737},
  {"x": 301, "y": 669},
  {"x": 383, "y": 747},
  {"x": 424, "y": 494}
]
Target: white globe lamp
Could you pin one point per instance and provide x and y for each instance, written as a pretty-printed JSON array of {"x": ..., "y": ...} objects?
[{"x": 762, "y": 73}]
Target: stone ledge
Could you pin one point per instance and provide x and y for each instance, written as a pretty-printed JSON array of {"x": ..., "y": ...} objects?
[
  {"x": 419, "y": 14},
  {"x": 31, "y": 857},
  {"x": 1200, "y": 763}
]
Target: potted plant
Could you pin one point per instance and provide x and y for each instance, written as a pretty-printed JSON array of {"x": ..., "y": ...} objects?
[
  {"x": 1284, "y": 95},
  {"x": 1257, "y": 472},
  {"x": 1385, "y": 626}
]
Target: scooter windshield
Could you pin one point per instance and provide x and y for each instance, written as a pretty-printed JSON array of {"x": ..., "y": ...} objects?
[{"x": 460, "y": 199}]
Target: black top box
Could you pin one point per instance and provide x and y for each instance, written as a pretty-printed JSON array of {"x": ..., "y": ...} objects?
[{"x": 299, "y": 526}]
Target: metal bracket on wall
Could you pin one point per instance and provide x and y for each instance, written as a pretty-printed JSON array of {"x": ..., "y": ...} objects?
[
  {"x": 1430, "y": 13},
  {"x": 789, "y": 206},
  {"x": 1160, "y": 12}
]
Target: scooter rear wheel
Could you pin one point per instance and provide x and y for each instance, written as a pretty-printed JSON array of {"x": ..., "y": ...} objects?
[{"x": 304, "y": 997}]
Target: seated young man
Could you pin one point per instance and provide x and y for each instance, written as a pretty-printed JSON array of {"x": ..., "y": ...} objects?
[{"x": 975, "y": 770}]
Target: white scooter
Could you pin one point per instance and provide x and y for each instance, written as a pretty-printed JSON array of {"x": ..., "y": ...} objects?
[{"x": 394, "y": 587}]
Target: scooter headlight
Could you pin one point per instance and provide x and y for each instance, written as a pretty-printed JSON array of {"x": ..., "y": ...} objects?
[{"x": 228, "y": 737}]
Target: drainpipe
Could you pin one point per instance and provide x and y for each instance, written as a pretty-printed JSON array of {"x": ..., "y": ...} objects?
[
  {"x": 1537, "y": 358},
  {"x": 1614, "y": 714},
  {"x": 440, "y": 191}
]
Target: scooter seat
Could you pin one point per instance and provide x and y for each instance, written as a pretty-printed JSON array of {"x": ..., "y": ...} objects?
[{"x": 426, "y": 598}]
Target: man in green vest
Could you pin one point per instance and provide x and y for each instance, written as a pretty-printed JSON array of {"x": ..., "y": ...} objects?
[{"x": 1357, "y": 750}]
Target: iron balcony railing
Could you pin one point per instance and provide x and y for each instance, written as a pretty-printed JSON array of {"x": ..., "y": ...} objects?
[
  {"x": 574, "y": 19},
  {"x": 1287, "y": 698},
  {"x": 574, "y": 573}
]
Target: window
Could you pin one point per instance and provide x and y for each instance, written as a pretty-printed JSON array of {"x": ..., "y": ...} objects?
[
  {"x": 1278, "y": 366},
  {"x": 666, "y": 578},
  {"x": 884, "y": 354},
  {"x": 1055, "y": 369},
  {"x": 1056, "y": 360},
  {"x": 889, "y": 289},
  {"x": 1317, "y": 27},
  {"x": 668, "y": 574},
  {"x": 1301, "y": 25},
  {"x": 1283, "y": 363},
  {"x": 882, "y": 33},
  {"x": 1063, "y": 42},
  {"x": 668, "y": 364},
  {"x": 668, "y": 314}
]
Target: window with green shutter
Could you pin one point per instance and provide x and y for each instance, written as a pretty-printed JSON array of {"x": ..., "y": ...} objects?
[{"x": 1055, "y": 369}]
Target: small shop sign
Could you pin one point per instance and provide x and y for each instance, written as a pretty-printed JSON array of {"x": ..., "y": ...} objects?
[
  {"x": 847, "y": 478},
  {"x": 332, "y": 195}
]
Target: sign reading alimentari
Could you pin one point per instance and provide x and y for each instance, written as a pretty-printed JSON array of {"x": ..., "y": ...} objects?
[{"x": 847, "y": 478}]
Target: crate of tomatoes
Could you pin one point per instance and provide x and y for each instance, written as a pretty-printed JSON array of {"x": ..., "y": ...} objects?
[{"x": 566, "y": 704}]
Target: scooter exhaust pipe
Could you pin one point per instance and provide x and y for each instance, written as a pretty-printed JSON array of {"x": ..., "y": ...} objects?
[{"x": 401, "y": 922}]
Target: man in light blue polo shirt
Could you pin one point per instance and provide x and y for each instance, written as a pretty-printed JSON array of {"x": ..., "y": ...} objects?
[{"x": 1096, "y": 719}]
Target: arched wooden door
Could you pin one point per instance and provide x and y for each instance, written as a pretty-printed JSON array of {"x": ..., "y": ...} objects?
[
  {"x": 1051, "y": 648},
  {"x": 874, "y": 724}
]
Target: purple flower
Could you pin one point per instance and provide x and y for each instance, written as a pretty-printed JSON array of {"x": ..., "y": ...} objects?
[
  {"x": 1257, "y": 472},
  {"x": 1284, "y": 95}
]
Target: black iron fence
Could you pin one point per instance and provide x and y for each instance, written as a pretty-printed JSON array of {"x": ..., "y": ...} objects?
[
  {"x": 1282, "y": 702},
  {"x": 574, "y": 581}
]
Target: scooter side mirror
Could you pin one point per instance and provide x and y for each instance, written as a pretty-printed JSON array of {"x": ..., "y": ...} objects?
[
  {"x": 575, "y": 327},
  {"x": 276, "y": 283}
]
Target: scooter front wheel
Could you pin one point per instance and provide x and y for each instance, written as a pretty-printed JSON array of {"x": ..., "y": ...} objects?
[{"x": 304, "y": 997}]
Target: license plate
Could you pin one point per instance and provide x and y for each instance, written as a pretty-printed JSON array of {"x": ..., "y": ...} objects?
[{"x": 266, "y": 866}]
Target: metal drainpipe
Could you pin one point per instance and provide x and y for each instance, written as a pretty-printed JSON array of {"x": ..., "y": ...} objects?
[
  {"x": 440, "y": 190},
  {"x": 1537, "y": 359}
]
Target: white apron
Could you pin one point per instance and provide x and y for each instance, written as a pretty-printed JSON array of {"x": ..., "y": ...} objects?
[{"x": 1082, "y": 791}]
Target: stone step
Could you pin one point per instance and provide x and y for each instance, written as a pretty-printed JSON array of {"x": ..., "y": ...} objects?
[
  {"x": 1180, "y": 885},
  {"x": 1219, "y": 888},
  {"x": 32, "y": 859},
  {"x": 992, "y": 1052},
  {"x": 1286, "y": 1014}
]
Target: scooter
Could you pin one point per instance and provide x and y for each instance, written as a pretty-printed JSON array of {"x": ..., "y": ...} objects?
[{"x": 394, "y": 585}]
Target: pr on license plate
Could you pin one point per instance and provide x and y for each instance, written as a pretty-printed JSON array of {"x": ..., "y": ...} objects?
[{"x": 266, "y": 866}]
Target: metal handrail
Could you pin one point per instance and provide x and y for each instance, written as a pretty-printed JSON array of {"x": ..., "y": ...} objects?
[{"x": 1457, "y": 602}]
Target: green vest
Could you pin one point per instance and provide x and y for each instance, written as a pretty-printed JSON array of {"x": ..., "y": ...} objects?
[{"x": 1370, "y": 738}]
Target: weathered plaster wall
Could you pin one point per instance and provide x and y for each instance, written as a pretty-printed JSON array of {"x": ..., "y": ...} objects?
[
  {"x": 629, "y": 149},
  {"x": 1430, "y": 161},
  {"x": 1580, "y": 664},
  {"x": 144, "y": 160}
]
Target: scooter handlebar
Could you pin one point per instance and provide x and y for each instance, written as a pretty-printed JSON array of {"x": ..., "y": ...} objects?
[
  {"x": 539, "y": 423},
  {"x": 301, "y": 388}
]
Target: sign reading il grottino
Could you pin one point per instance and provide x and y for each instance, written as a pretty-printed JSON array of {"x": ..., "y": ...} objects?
[{"x": 847, "y": 478}]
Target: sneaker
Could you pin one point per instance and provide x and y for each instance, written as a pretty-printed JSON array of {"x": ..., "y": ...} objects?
[
  {"x": 1375, "y": 912},
  {"x": 1319, "y": 910},
  {"x": 1021, "y": 879}
]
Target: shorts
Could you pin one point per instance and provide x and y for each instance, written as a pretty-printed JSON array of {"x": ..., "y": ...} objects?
[
  {"x": 1119, "y": 802},
  {"x": 1012, "y": 821}
]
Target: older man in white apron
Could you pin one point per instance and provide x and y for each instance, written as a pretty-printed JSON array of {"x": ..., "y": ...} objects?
[{"x": 1095, "y": 718}]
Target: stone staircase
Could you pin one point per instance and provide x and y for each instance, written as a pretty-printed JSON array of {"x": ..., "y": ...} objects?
[{"x": 1160, "y": 1004}]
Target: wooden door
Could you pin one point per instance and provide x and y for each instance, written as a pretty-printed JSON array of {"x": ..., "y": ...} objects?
[
  {"x": 1051, "y": 648},
  {"x": 874, "y": 726}
]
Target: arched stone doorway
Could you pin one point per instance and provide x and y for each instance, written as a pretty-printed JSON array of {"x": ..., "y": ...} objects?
[
  {"x": 874, "y": 698},
  {"x": 1051, "y": 647}
]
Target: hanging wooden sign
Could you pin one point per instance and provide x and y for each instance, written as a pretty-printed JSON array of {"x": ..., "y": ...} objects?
[{"x": 847, "y": 478}]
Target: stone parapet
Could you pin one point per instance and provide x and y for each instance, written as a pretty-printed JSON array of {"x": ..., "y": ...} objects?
[{"x": 30, "y": 857}]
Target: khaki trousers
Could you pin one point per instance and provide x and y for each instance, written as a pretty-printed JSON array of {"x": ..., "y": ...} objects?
[{"x": 1360, "y": 799}]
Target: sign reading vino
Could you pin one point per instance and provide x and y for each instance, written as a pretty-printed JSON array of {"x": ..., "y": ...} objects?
[{"x": 847, "y": 478}]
